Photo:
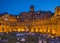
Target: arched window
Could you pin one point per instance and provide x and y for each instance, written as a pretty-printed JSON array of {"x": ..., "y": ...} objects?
[{"x": 2, "y": 29}]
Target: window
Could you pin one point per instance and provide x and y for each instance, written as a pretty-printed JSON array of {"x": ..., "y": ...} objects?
[
  {"x": 3, "y": 29},
  {"x": 6, "y": 18},
  {"x": 0, "y": 23}
]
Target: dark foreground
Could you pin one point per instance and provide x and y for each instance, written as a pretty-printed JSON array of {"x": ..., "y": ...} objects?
[{"x": 27, "y": 37}]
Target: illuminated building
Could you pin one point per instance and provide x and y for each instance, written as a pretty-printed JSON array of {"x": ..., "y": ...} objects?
[{"x": 32, "y": 21}]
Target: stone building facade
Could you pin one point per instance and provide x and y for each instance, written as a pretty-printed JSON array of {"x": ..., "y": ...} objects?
[{"x": 33, "y": 21}]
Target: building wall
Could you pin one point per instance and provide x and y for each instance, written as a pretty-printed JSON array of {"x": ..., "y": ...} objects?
[{"x": 48, "y": 26}]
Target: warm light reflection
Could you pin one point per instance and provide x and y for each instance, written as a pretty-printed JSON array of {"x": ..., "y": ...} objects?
[
  {"x": 14, "y": 30},
  {"x": 0, "y": 30},
  {"x": 18, "y": 30},
  {"x": 44, "y": 30},
  {"x": 36, "y": 30},
  {"x": 22, "y": 29},
  {"x": 32, "y": 30},
  {"x": 48, "y": 31},
  {"x": 40, "y": 30},
  {"x": 26, "y": 29},
  {"x": 53, "y": 31},
  {"x": 10, "y": 30}
]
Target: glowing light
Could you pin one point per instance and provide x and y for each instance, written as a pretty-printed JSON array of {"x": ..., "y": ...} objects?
[
  {"x": 22, "y": 30},
  {"x": 53, "y": 32},
  {"x": 48, "y": 30},
  {"x": 40, "y": 30},
  {"x": 32, "y": 30},
  {"x": 18, "y": 30},
  {"x": 36, "y": 30},
  {"x": 52, "y": 36}
]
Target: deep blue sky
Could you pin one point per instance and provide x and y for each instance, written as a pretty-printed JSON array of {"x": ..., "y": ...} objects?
[{"x": 17, "y": 6}]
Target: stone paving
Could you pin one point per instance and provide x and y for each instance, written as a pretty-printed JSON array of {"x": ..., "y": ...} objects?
[{"x": 16, "y": 37}]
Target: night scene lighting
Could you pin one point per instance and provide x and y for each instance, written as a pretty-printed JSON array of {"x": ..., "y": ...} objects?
[{"x": 29, "y": 21}]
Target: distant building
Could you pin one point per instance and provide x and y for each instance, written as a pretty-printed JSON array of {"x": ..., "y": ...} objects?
[{"x": 33, "y": 21}]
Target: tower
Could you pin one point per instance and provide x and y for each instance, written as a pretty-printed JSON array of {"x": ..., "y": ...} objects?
[
  {"x": 31, "y": 8},
  {"x": 57, "y": 11}
]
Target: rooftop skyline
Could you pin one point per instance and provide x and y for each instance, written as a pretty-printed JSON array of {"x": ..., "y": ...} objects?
[{"x": 17, "y": 6}]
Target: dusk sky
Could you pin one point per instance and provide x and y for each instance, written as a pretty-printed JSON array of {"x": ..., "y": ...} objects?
[{"x": 18, "y": 6}]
